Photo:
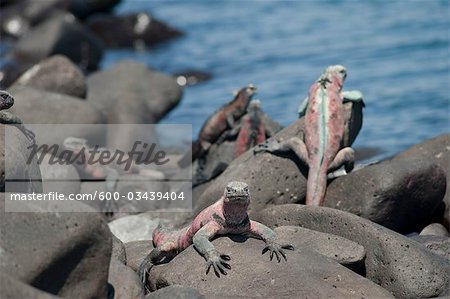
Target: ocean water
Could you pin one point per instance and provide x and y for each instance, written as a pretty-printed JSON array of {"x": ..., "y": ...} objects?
[{"x": 396, "y": 53}]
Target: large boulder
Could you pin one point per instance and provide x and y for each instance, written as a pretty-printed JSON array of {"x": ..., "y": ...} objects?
[
  {"x": 56, "y": 74},
  {"x": 35, "y": 106},
  {"x": 61, "y": 34},
  {"x": 439, "y": 245},
  {"x": 65, "y": 254},
  {"x": 305, "y": 275},
  {"x": 125, "y": 281},
  {"x": 436, "y": 150},
  {"x": 138, "y": 30},
  {"x": 343, "y": 251},
  {"x": 275, "y": 179},
  {"x": 403, "y": 194},
  {"x": 42, "y": 107},
  {"x": 393, "y": 261},
  {"x": 130, "y": 93}
]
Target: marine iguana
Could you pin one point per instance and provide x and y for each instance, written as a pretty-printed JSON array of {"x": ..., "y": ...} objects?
[
  {"x": 252, "y": 130},
  {"x": 227, "y": 216},
  {"x": 222, "y": 120},
  {"x": 322, "y": 148},
  {"x": 7, "y": 118}
]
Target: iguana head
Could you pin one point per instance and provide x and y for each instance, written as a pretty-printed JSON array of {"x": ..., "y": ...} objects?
[
  {"x": 6, "y": 100},
  {"x": 237, "y": 192},
  {"x": 336, "y": 70}
]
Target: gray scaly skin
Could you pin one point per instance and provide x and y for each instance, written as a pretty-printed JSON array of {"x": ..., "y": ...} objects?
[
  {"x": 7, "y": 118},
  {"x": 227, "y": 216},
  {"x": 321, "y": 148}
]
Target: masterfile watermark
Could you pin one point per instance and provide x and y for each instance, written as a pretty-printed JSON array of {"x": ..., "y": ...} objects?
[
  {"x": 111, "y": 168},
  {"x": 98, "y": 155}
]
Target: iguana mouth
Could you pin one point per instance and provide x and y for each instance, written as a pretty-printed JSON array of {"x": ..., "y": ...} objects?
[{"x": 243, "y": 199}]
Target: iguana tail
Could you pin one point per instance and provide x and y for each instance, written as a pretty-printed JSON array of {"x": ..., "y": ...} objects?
[{"x": 316, "y": 187}]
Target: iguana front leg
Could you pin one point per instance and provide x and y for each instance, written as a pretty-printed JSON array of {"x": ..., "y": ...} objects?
[
  {"x": 153, "y": 258},
  {"x": 269, "y": 237},
  {"x": 202, "y": 244},
  {"x": 294, "y": 144}
]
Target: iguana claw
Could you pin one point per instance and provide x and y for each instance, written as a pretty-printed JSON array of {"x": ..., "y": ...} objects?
[
  {"x": 277, "y": 250},
  {"x": 218, "y": 262},
  {"x": 143, "y": 273}
]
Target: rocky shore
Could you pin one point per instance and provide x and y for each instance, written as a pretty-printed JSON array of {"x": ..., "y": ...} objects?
[{"x": 383, "y": 231}]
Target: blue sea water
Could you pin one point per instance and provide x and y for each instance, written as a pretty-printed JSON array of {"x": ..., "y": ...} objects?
[{"x": 396, "y": 53}]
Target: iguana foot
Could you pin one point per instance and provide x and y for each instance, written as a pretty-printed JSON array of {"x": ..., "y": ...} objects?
[
  {"x": 219, "y": 262},
  {"x": 277, "y": 250},
  {"x": 143, "y": 273},
  {"x": 267, "y": 147},
  {"x": 147, "y": 263}
]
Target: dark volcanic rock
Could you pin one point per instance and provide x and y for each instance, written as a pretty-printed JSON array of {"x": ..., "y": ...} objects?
[
  {"x": 14, "y": 165},
  {"x": 436, "y": 244},
  {"x": 18, "y": 18},
  {"x": 118, "y": 250},
  {"x": 273, "y": 179},
  {"x": 132, "y": 30},
  {"x": 393, "y": 261},
  {"x": 125, "y": 281},
  {"x": 254, "y": 275},
  {"x": 435, "y": 150},
  {"x": 10, "y": 69},
  {"x": 402, "y": 194},
  {"x": 36, "y": 106},
  {"x": 175, "y": 292},
  {"x": 83, "y": 8},
  {"x": 130, "y": 93},
  {"x": 61, "y": 253},
  {"x": 56, "y": 74},
  {"x": 61, "y": 34},
  {"x": 343, "y": 251}
]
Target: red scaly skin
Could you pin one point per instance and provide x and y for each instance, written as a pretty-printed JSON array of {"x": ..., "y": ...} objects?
[
  {"x": 218, "y": 123},
  {"x": 325, "y": 114},
  {"x": 252, "y": 130},
  {"x": 227, "y": 216},
  {"x": 322, "y": 148}
]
